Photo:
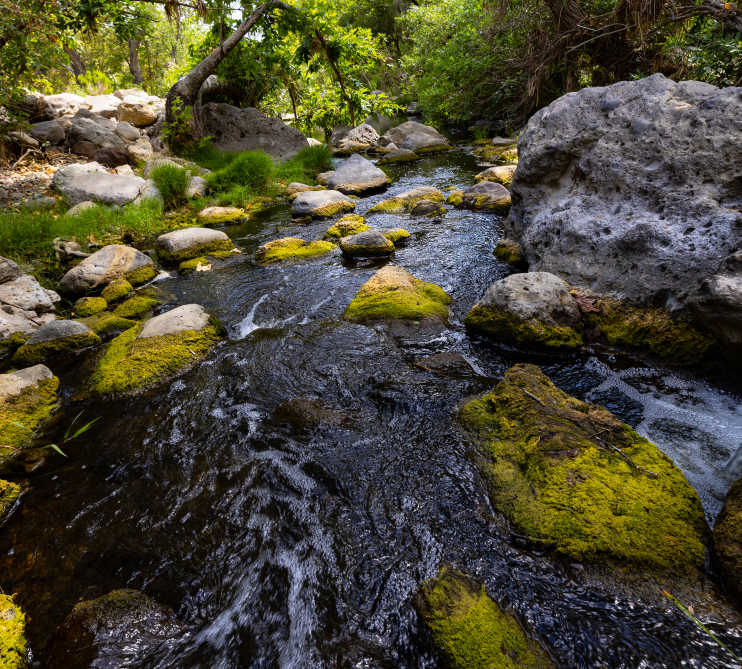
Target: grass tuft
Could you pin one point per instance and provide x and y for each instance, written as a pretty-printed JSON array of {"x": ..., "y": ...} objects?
[
  {"x": 172, "y": 183},
  {"x": 251, "y": 170}
]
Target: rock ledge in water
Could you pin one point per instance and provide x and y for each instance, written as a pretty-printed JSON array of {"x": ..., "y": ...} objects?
[{"x": 28, "y": 397}]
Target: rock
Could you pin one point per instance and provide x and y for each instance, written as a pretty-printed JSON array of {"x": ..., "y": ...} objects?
[
  {"x": 321, "y": 204},
  {"x": 641, "y": 198},
  {"x": 36, "y": 107},
  {"x": 470, "y": 630},
  {"x": 398, "y": 236},
  {"x": 322, "y": 177},
  {"x": 487, "y": 196},
  {"x": 290, "y": 248},
  {"x": 12, "y": 620},
  {"x": 79, "y": 208},
  {"x": 196, "y": 187},
  {"x": 413, "y": 108},
  {"x": 8, "y": 270},
  {"x": 422, "y": 142},
  {"x": 364, "y": 134},
  {"x": 295, "y": 188},
  {"x": 221, "y": 215},
  {"x": 508, "y": 251},
  {"x": 67, "y": 251},
  {"x": 116, "y": 290},
  {"x": 140, "y": 152},
  {"x": 510, "y": 155},
  {"x": 403, "y": 131},
  {"x": 87, "y": 130},
  {"x": 125, "y": 171},
  {"x": 348, "y": 225},
  {"x": 111, "y": 631},
  {"x": 111, "y": 156},
  {"x": 338, "y": 134},
  {"x": 366, "y": 244},
  {"x": 47, "y": 131},
  {"x": 87, "y": 306},
  {"x": 501, "y": 174},
  {"x": 136, "y": 307},
  {"x": 138, "y": 113},
  {"x": 347, "y": 148},
  {"x": 127, "y": 131},
  {"x": 534, "y": 308},
  {"x": 506, "y": 142},
  {"x": 110, "y": 263},
  {"x": 404, "y": 202},
  {"x": 67, "y": 173},
  {"x": 85, "y": 149},
  {"x": 135, "y": 92},
  {"x": 377, "y": 147},
  {"x": 357, "y": 175},
  {"x": 14, "y": 383},
  {"x": 727, "y": 541},
  {"x": 309, "y": 414},
  {"x": 249, "y": 130},
  {"x": 39, "y": 203},
  {"x": 157, "y": 349},
  {"x": 149, "y": 192},
  {"x": 65, "y": 104},
  {"x": 179, "y": 245},
  {"x": 394, "y": 294},
  {"x": 398, "y": 156},
  {"x": 718, "y": 304},
  {"x": 105, "y": 123},
  {"x": 55, "y": 338},
  {"x": 16, "y": 325},
  {"x": 65, "y": 123},
  {"x": 313, "y": 142},
  {"x": 26, "y": 293},
  {"x": 109, "y": 189},
  {"x": 103, "y": 105},
  {"x": 106, "y": 323},
  {"x": 24, "y": 140},
  {"x": 428, "y": 208},
  {"x": 548, "y": 462}
]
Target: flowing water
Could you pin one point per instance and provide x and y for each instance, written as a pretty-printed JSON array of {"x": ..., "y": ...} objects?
[{"x": 289, "y": 494}]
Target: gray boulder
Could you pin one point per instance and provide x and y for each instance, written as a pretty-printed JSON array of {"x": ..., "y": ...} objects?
[
  {"x": 103, "y": 105},
  {"x": 64, "y": 175},
  {"x": 150, "y": 191},
  {"x": 109, "y": 189},
  {"x": 366, "y": 244},
  {"x": 364, "y": 134},
  {"x": 323, "y": 177},
  {"x": 107, "y": 123},
  {"x": 16, "y": 382},
  {"x": 55, "y": 338},
  {"x": 321, "y": 204},
  {"x": 187, "y": 317},
  {"x": 196, "y": 187},
  {"x": 127, "y": 131},
  {"x": 24, "y": 139},
  {"x": 26, "y": 293},
  {"x": 8, "y": 270},
  {"x": 403, "y": 131},
  {"x": 487, "y": 196},
  {"x": 65, "y": 104},
  {"x": 125, "y": 171},
  {"x": 57, "y": 330},
  {"x": 179, "y": 245},
  {"x": 36, "y": 108},
  {"x": 47, "y": 131},
  {"x": 428, "y": 208},
  {"x": 248, "y": 129},
  {"x": 358, "y": 175},
  {"x": 631, "y": 190},
  {"x": 110, "y": 263},
  {"x": 422, "y": 142},
  {"x": 87, "y": 130}
]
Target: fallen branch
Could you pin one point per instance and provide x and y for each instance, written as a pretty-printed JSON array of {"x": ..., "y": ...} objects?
[
  {"x": 626, "y": 457},
  {"x": 10, "y": 447},
  {"x": 535, "y": 398}
]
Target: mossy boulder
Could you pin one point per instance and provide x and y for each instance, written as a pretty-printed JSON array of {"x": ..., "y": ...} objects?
[
  {"x": 404, "y": 202},
  {"x": 136, "y": 307},
  {"x": 570, "y": 476},
  {"x": 55, "y": 338},
  {"x": 679, "y": 340},
  {"x": 155, "y": 350},
  {"x": 290, "y": 248},
  {"x": 221, "y": 215},
  {"x": 501, "y": 174},
  {"x": 188, "y": 266},
  {"x": 112, "y": 262},
  {"x": 175, "y": 247},
  {"x": 87, "y": 306},
  {"x": 486, "y": 196},
  {"x": 116, "y": 290},
  {"x": 471, "y": 631},
  {"x": 509, "y": 252},
  {"x": 510, "y": 155},
  {"x": 398, "y": 156},
  {"x": 106, "y": 323},
  {"x": 394, "y": 294},
  {"x": 348, "y": 225},
  {"x": 455, "y": 198},
  {"x": 141, "y": 275},
  {"x": 535, "y": 309},
  {"x": 367, "y": 244},
  {"x": 321, "y": 204},
  {"x": 9, "y": 494},
  {"x": 13, "y": 648},
  {"x": 727, "y": 539},
  {"x": 397, "y": 236},
  {"x": 428, "y": 209},
  {"x": 28, "y": 397}
]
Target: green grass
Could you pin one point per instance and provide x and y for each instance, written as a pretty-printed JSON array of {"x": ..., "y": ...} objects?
[
  {"x": 251, "y": 169},
  {"x": 172, "y": 183}
]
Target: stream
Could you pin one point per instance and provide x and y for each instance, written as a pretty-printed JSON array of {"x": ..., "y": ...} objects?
[{"x": 288, "y": 495}]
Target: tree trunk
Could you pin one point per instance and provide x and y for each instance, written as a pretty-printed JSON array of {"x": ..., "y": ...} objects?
[
  {"x": 136, "y": 69},
  {"x": 78, "y": 67},
  {"x": 187, "y": 88}
]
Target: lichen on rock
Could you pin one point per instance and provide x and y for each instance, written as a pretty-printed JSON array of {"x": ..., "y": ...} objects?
[
  {"x": 137, "y": 277},
  {"x": 13, "y": 648},
  {"x": 136, "y": 307},
  {"x": 106, "y": 322},
  {"x": 30, "y": 405},
  {"x": 290, "y": 248},
  {"x": 508, "y": 251},
  {"x": 571, "y": 476},
  {"x": 348, "y": 225},
  {"x": 116, "y": 290},
  {"x": 87, "y": 306},
  {"x": 404, "y": 202}
]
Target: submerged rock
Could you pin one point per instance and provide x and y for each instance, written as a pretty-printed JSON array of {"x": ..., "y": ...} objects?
[
  {"x": 157, "y": 349},
  {"x": 9, "y": 494},
  {"x": 112, "y": 262},
  {"x": 398, "y": 236},
  {"x": 534, "y": 308},
  {"x": 428, "y": 208},
  {"x": 358, "y": 175},
  {"x": 398, "y": 156},
  {"x": 486, "y": 196},
  {"x": 321, "y": 204},
  {"x": 179, "y": 245},
  {"x": 394, "y": 294},
  {"x": 366, "y": 244},
  {"x": 55, "y": 338},
  {"x": 501, "y": 174},
  {"x": 727, "y": 538},
  {"x": 348, "y": 225},
  {"x": 13, "y": 647},
  {"x": 111, "y": 631},
  {"x": 471, "y": 631},
  {"x": 404, "y": 202},
  {"x": 290, "y": 248},
  {"x": 570, "y": 476},
  {"x": 308, "y": 413}
]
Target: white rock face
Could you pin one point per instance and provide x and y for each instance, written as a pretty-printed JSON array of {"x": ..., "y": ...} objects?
[
  {"x": 8, "y": 270},
  {"x": 135, "y": 92},
  {"x": 127, "y": 131},
  {"x": 64, "y": 175},
  {"x": 109, "y": 189},
  {"x": 14, "y": 320},
  {"x": 65, "y": 104},
  {"x": 178, "y": 240},
  {"x": 14, "y": 383},
  {"x": 187, "y": 317},
  {"x": 103, "y": 105},
  {"x": 401, "y": 132},
  {"x": 26, "y": 293},
  {"x": 104, "y": 266}
]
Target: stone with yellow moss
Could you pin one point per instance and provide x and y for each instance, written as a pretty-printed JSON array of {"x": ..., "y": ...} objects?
[
  {"x": 405, "y": 202},
  {"x": 321, "y": 204},
  {"x": 28, "y": 397},
  {"x": 116, "y": 290},
  {"x": 290, "y": 248},
  {"x": 471, "y": 631},
  {"x": 156, "y": 350},
  {"x": 112, "y": 262},
  {"x": 221, "y": 215},
  {"x": 486, "y": 196},
  {"x": 348, "y": 225},
  {"x": 572, "y": 477},
  {"x": 141, "y": 275},
  {"x": 510, "y": 155},
  {"x": 501, "y": 174},
  {"x": 455, "y": 198},
  {"x": 106, "y": 323},
  {"x": 87, "y": 306},
  {"x": 179, "y": 245},
  {"x": 727, "y": 539},
  {"x": 55, "y": 338},
  {"x": 509, "y": 252},
  {"x": 394, "y": 294},
  {"x": 9, "y": 494},
  {"x": 397, "y": 236},
  {"x": 367, "y": 244},
  {"x": 398, "y": 156},
  {"x": 136, "y": 307},
  {"x": 13, "y": 648}
]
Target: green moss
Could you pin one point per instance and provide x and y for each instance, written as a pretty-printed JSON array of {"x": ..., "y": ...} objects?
[
  {"x": 488, "y": 152},
  {"x": 30, "y": 408},
  {"x": 348, "y": 225},
  {"x": 137, "y": 277},
  {"x": 728, "y": 540},
  {"x": 481, "y": 142},
  {"x": 106, "y": 322},
  {"x": 507, "y": 327},
  {"x": 394, "y": 294},
  {"x": 136, "y": 307},
  {"x": 225, "y": 215},
  {"x": 13, "y": 650},
  {"x": 32, "y": 354},
  {"x": 508, "y": 251},
  {"x": 395, "y": 235},
  {"x": 486, "y": 202},
  {"x": 400, "y": 205},
  {"x": 552, "y": 467},
  {"x": 510, "y": 155},
  {"x": 87, "y": 306},
  {"x": 9, "y": 493},
  {"x": 194, "y": 251},
  {"x": 471, "y": 631},
  {"x": 680, "y": 340},
  {"x": 438, "y": 148},
  {"x": 456, "y": 198},
  {"x": 116, "y": 290},
  {"x": 131, "y": 364},
  {"x": 15, "y": 340},
  {"x": 393, "y": 160},
  {"x": 221, "y": 255},
  {"x": 188, "y": 266},
  {"x": 289, "y": 248},
  {"x": 184, "y": 219},
  {"x": 333, "y": 208}
]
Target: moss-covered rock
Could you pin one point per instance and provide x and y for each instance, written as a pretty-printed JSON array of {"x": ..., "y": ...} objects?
[
  {"x": 394, "y": 294},
  {"x": 456, "y": 198},
  {"x": 471, "y": 631},
  {"x": 175, "y": 247},
  {"x": 9, "y": 493},
  {"x": 501, "y": 174},
  {"x": 55, "y": 338},
  {"x": 30, "y": 405},
  {"x": 105, "y": 323},
  {"x": 116, "y": 290},
  {"x": 188, "y": 266},
  {"x": 510, "y": 155},
  {"x": 571, "y": 476},
  {"x": 398, "y": 236},
  {"x": 399, "y": 156},
  {"x": 137, "y": 277},
  {"x": 290, "y": 248},
  {"x": 509, "y": 252},
  {"x": 405, "y": 202},
  {"x": 348, "y": 225},
  {"x": 487, "y": 196},
  {"x": 678, "y": 340},
  {"x": 87, "y": 306},
  {"x": 157, "y": 349},
  {"x": 13, "y": 649},
  {"x": 727, "y": 540},
  {"x": 508, "y": 328},
  {"x": 136, "y": 307},
  {"x": 221, "y": 215},
  {"x": 321, "y": 204}
]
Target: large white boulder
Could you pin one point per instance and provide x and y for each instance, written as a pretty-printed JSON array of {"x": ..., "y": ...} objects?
[
  {"x": 98, "y": 270},
  {"x": 26, "y": 293},
  {"x": 109, "y": 189},
  {"x": 64, "y": 175}
]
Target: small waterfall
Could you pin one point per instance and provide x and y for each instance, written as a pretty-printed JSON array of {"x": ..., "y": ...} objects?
[{"x": 734, "y": 466}]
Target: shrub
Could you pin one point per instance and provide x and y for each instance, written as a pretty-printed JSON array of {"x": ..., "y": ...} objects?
[
  {"x": 315, "y": 159},
  {"x": 173, "y": 184},
  {"x": 251, "y": 169}
]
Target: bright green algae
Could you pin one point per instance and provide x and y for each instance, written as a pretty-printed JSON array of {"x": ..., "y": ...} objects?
[
  {"x": 456, "y": 198},
  {"x": 289, "y": 248},
  {"x": 136, "y": 307},
  {"x": 194, "y": 251},
  {"x": 471, "y": 631},
  {"x": 106, "y": 322},
  {"x": 552, "y": 466},
  {"x": 400, "y": 205},
  {"x": 116, "y": 290},
  {"x": 87, "y": 306},
  {"x": 33, "y": 405},
  {"x": 507, "y": 327},
  {"x": 188, "y": 266},
  {"x": 130, "y": 364},
  {"x": 136, "y": 277},
  {"x": 13, "y": 649},
  {"x": 31, "y": 354},
  {"x": 395, "y": 235},
  {"x": 348, "y": 225}
]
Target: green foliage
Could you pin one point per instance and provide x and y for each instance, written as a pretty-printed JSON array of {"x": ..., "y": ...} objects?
[
  {"x": 172, "y": 183},
  {"x": 315, "y": 159},
  {"x": 480, "y": 132},
  {"x": 13, "y": 646},
  {"x": 251, "y": 170},
  {"x": 177, "y": 133}
]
